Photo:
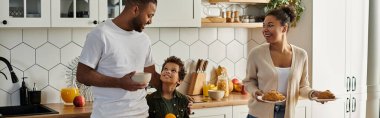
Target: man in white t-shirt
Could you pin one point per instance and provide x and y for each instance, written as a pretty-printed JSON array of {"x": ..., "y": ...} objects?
[{"x": 112, "y": 53}]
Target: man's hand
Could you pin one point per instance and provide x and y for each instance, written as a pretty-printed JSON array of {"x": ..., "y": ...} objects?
[{"x": 127, "y": 83}]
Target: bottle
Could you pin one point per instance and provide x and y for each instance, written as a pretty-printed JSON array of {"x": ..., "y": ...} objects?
[{"x": 24, "y": 97}]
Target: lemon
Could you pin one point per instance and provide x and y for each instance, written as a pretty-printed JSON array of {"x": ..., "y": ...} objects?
[
  {"x": 170, "y": 115},
  {"x": 212, "y": 87}
]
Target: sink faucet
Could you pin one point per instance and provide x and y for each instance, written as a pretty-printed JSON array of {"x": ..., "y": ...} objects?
[{"x": 13, "y": 75}]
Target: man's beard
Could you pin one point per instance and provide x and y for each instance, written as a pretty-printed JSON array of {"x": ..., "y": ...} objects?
[{"x": 137, "y": 24}]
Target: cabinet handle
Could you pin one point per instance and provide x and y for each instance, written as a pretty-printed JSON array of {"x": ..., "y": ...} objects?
[
  {"x": 5, "y": 22},
  {"x": 353, "y": 104},
  {"x": 348, "y": 85},
  {"x": 95, "y": 22},
  {"x": 348, "y": 105},
  {"x": 192, "y": 113},
  {"x": 353, "y": 83}
]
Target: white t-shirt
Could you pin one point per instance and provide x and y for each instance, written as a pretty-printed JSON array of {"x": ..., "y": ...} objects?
[{"x": 115, "y": 52}]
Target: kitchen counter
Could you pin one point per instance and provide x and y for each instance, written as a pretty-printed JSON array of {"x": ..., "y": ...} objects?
[
  {"x": 83, "y": 112},
  {"x": 232, "y": 100}
]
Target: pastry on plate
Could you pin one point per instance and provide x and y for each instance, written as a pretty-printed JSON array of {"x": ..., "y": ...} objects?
[
  {"x": 326, "y": 95},
  {"x": 273, "y": 96}
]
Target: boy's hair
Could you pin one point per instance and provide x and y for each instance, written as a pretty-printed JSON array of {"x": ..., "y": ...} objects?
[{"x": 176, "y": 60}]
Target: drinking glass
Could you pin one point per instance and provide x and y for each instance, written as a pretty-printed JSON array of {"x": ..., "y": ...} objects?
[{"x": 68, "y": 95}]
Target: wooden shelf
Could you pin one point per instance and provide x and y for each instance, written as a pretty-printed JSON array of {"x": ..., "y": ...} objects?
[
  {"x": 242, "y": 25},
  {"x": 240, "y": 1}
]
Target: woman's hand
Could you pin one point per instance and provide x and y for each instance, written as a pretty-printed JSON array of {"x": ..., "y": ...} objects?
[
  {"x": 259, "y": 93},
  {"x": 316, "y": 94}
]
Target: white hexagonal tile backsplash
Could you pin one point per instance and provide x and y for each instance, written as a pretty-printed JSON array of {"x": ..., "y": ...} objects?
[
  {"x": 45, "y": 53},
  {"x": 47, "y": 56},
  {"x": 23, "y": 56},
  {"x": 35, "y": 37},
  {"x": 189, "y": 35},
  {"x": 37, "y": 75},
  {"x": 10, "y": 38},
  {"x": 180, "y": 50},
  {"x": 5, "y": 53},
  {"x": 59, "y": 36},
  {"x": 169, "y": 35},
  {"x": 5, "y": 99},
  {"x": 235, "y": 51},
  {"x": 217, "y": 51}
]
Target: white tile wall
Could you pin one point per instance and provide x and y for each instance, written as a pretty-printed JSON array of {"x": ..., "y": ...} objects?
[{"x": 43, "y": 55}]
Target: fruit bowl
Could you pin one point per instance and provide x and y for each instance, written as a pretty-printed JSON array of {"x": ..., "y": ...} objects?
[
  {"x": 142, "y": 77},
  {"x": 216, "y": 94}
]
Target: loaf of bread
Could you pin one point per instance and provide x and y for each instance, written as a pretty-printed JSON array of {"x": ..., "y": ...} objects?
[{"x": 273, "y": 96}]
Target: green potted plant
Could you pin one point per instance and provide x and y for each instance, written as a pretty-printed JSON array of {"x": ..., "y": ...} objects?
[{"x": 297, "y": 4}]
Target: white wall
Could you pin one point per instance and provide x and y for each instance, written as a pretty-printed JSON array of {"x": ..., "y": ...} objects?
[{"x": 43, "y": 54}]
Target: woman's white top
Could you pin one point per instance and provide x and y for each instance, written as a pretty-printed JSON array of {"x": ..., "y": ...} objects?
[{"x": 283, "y": 76}]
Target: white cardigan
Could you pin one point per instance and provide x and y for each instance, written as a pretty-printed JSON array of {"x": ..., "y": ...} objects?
[{"x": 263, "y": 75}]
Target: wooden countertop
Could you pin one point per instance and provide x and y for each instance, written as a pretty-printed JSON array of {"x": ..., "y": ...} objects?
[
  {"x": 65, "y": 111},
  {"x": 233, "y": 99},
  {"x": 69, "y": 111}
]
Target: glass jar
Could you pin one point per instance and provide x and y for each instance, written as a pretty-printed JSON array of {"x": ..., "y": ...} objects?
[
  {"x": 223, "y": 84},
  {"x": 251, "y": 19}
]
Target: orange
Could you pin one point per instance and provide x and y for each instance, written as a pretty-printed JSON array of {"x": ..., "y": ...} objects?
[{"x": 170, "y": 115}]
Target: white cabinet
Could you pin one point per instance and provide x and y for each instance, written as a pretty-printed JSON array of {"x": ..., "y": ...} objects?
[
  {"x": 240, "y": 111},
  {"x": 215, "y": 112},
  {"x": 177, "y": 13},
  {"x": 358, "y": 106},
  {"x": 25, "y": 13},
  {"x": 88, "y": 13},
  {"x": 303, "y": 109},
  {"x": 340, "y": 56},
  {"x": 74, "y": 13}
]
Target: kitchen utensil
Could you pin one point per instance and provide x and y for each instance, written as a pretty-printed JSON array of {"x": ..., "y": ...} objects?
[{"x": 197, "y": 66}]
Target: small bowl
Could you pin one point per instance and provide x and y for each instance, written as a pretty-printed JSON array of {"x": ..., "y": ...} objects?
[
  {"x": 142, "y": 77},
  {"x": 216, "y": 94}
]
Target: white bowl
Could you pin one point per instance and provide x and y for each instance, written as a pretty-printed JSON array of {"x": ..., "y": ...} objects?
[
  {"x": 216, "y": 94},
  {"x": 142, "y": 77}
]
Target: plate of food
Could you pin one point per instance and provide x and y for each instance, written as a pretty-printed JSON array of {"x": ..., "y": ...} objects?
[
  {"x": 272, "y": 97},
  {"x": 325, "y": 96}
]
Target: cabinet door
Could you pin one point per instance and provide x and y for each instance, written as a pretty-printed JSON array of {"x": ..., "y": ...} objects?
[
  {"x": 216, "y": 112},
  {"x": 357, "y": 40},
  {"x": 333, "y": 109},
  {"x": 74, "y": 13},
  {"x": 303, "y": 109},
  {"x": 25, "y": 13},
  {"x": 110, "y": 9},
  {"x": 177, "y": 13},
  {"x": 240, "y": 111},
  {"x": 358, "y": 105},
  {"x": 329, "y": 49}
]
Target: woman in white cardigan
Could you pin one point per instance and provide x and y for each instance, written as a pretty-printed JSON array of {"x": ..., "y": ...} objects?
[{"x": 277, "y": 65}]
